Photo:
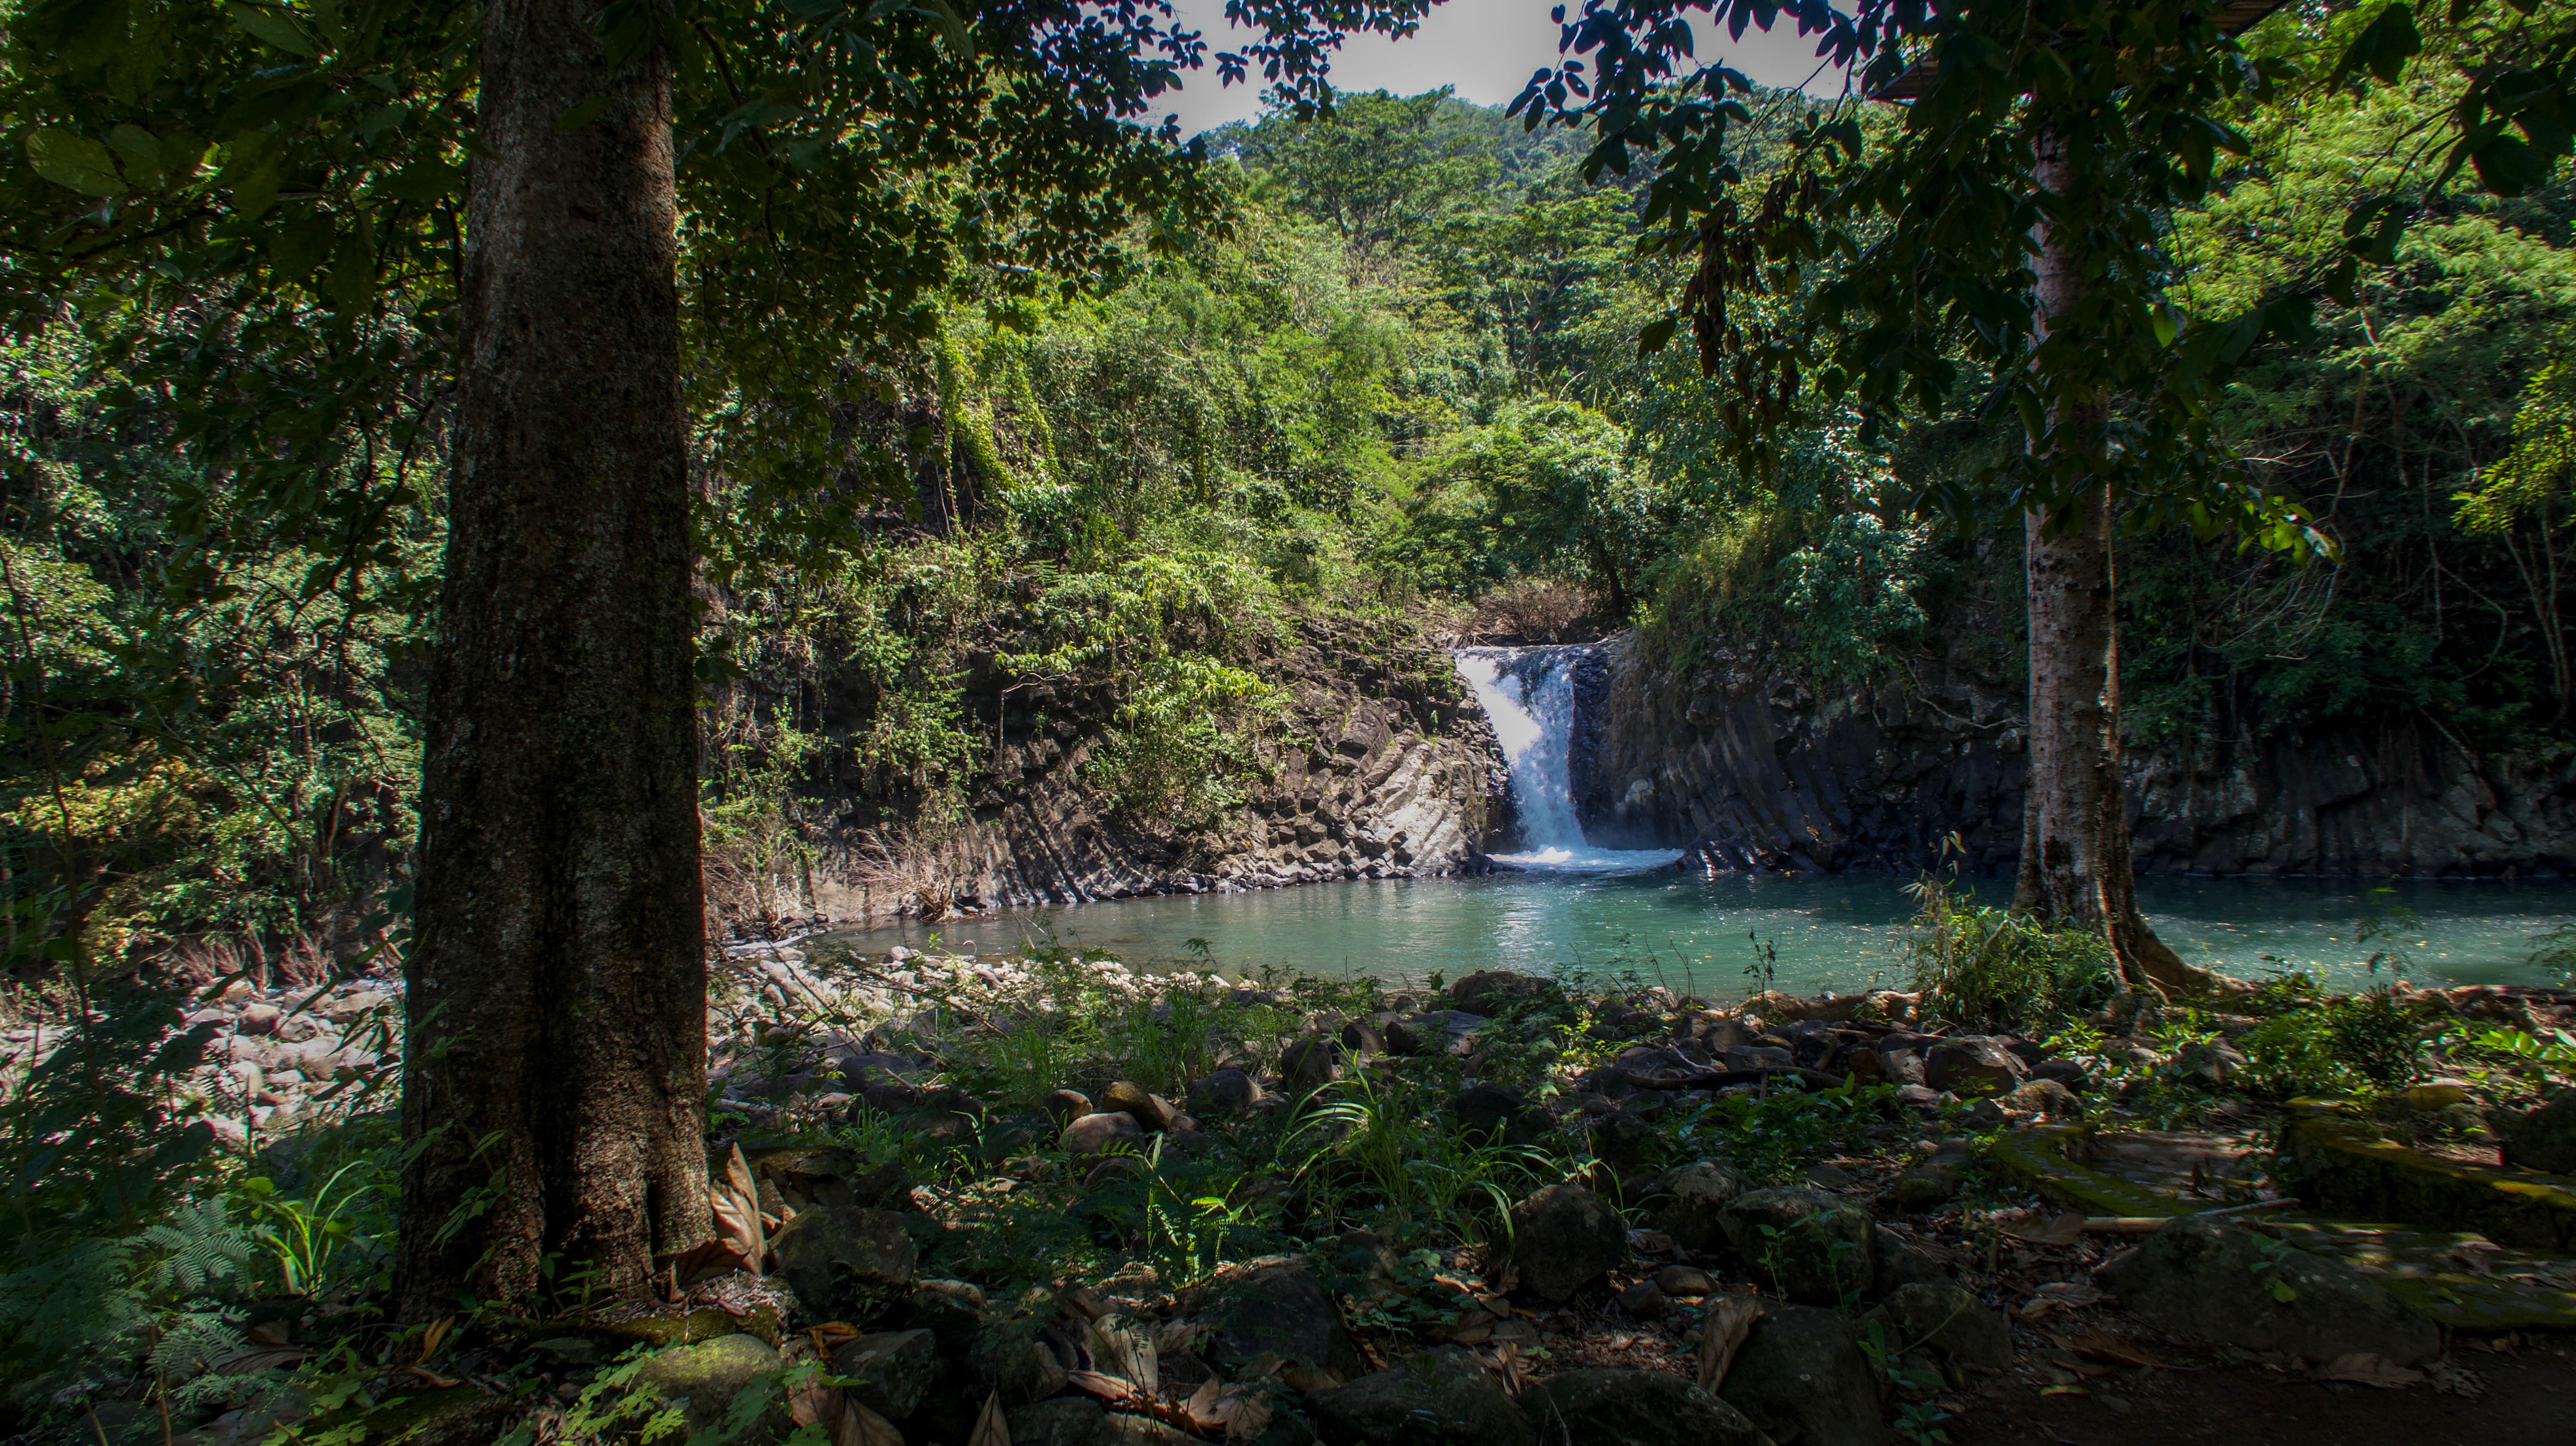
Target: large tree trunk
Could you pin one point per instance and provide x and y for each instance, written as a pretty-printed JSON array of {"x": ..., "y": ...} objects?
[
  {"x": 555, "y": 1056},
  {"x": 2075, "y": 867}
]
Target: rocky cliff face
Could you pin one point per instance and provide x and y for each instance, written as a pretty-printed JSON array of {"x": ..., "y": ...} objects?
[
  {"x": 1383, "y": 767},
  {"x": 1755, "y": 771}
]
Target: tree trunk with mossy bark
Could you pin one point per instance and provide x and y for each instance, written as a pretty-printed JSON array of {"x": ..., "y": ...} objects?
[
  {"x": 555, "y": 1053},
  {"x": 2076, "y": 872}
]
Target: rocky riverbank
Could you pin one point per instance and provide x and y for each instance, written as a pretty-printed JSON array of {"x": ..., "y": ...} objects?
[{"x": 1047, "y": 1199}]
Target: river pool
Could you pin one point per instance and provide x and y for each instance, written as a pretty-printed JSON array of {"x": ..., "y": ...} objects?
[{"x": 1700, "y": 934}]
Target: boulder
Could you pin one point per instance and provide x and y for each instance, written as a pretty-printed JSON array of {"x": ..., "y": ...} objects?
[
  {"x": 1362, "y": 1037},
  {"x": 1091, "y": 1134},
  {"x": 1150, "y": 1111},
  {"x": 2043, "y": 1097},
  {"x": 1632, "y": 1408},
  {"x": 844, "y": 1263},
  {"x": 1624, "y": 1141},
  {"x": 1489, "y": 992},
  {"x": 2212, "y": 1063},
  {"x": 1442, "y": 1032},
  {"x": 1065, "y": 1106},
  {"x": 1645, "y": 1301},
  {"x": 704, "y": 1379},
  {"x": 1272, "y": 1304},
  {"x": 1564, "y": 1238},
  {"x": 1065, "y": 1421},
  {"x": 1972, "y": 1065},
  {"x": 1757, "y": 1056},
  {"x": 1927, "y": 1186},
  {"x": 2063, "y": 1071},
  {"x": 1492, "y": 1109},
  {"x": 2225, "y": 1284},
  {"x": 1445, "y": 1397},
  {"x": 1224, "y": 1092},
  {"x": 1801, "y": 1373},
  {"x": 1007, "y": 1358},
  {"x": 951, "y": 1310},
  {"x": 1310, "y": 1063},
  {"x": 2543, "y": 1139},
  {"x": 894, "y": 1370},
  {"x": 1812, "y": 1248},
  {"x": 1895, "y": 1263},
  {"x": 1945, "y": 1318},
  {"x": 1693, "y": 1195},
  {"x": 1685, "y": 1280}
]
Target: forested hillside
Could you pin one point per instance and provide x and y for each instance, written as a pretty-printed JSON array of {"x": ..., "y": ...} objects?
[{"x": 1396, "y": 376}]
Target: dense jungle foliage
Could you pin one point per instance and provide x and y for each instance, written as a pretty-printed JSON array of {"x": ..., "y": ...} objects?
[{"x": 1401, "y": 375}]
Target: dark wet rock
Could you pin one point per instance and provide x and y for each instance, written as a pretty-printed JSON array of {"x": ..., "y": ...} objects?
[
  {"x": 1685, "y": 1280},
  {"x": 705, "y": 1378},
  {"x": 951, "y": 1310},
  {"x": 1066, "y": 1106},
  {"x": 1945, "y": 1318},
  {"x": 890, "y": 1097},
  {"x": 2063, "y": 1071},
  {"x": 1445, "y": 1397},
  {"x": 1564, "y": 1238},
  {"x": 1310, "y": 1063},
  {"x": 2222, "y": 1283},
  {"x": 1008, "y": 1357},
  {"x": 1272, "y": 1304},
  {"x": 2544, "y": 1138},
  {"x": 1492, "y": 1109},
  {"x": 1972, "y": 1065},
  {"x": 1150, "y": 1111},
  {"x": 1632, "y": 1408},
  {"x": 1091, "y": 1134},
  {"x": 1693, "y": 1195},
  {"x": 1758, "y": 1056},
  {"x": 1810, "y": 1247},
  {"x": 1489, "y": 992},
  {"x": 1920, "y": 1097},
  {"x": 1896, "y": 1263},
  {"x": 843, "y": 1264},
  {"x": 1645, "y": 1300},
  {"x": 1065, "y": 1421},
  {"x": 2042, "y": 1097},
  {"x": 1224, "y": 1092},
  {"x": 1927, "y": 1186},
  {"x": 1801, "y": 1374},
  {"x": 894, "y": 1370},
  {"x": 1624, "y": 1141}
]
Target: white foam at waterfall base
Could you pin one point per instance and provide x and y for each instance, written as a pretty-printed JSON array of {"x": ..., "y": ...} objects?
[{"x": 1528, "y": 694}]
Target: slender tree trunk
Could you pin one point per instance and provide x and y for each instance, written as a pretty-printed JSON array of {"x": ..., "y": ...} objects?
[
  {"x": 555, "y": 1054},
  {"x": 2075, "y": 866}
]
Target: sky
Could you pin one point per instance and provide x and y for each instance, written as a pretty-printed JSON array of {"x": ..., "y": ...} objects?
[{"x": 1484, "y": 48}]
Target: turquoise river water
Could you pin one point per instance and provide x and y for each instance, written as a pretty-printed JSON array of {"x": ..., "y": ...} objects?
[{"x": 1699, "y": 934}]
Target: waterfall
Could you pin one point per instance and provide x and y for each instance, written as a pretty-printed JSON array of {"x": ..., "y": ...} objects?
[{"x": 1528, "y": 695}]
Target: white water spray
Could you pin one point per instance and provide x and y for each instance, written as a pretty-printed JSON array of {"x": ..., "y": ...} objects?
[{"x": 1528, "y": 694}]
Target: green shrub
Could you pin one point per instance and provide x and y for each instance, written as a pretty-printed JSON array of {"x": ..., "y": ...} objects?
[
  {"x": 1988, "y": 968},
  {"x": 2330, "y": 1044}
]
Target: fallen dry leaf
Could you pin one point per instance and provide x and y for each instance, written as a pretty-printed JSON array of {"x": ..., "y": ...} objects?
[
  {"x": 2065, "y": 1391},
  {"x": 2110, "y": 1348},
  {"x": 989, "y": 1430},
  {"x": 428, "y": 1377},
  {"x": 735, "y": 1198},
  {"x": 2364, "y": 1369},
  {"x": 431, "y": 1338},
  {"x": 1116, "y": 1390},
  {"x": 2056, "y": 1230},
  {"x": 1727, "y": 1320}
]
